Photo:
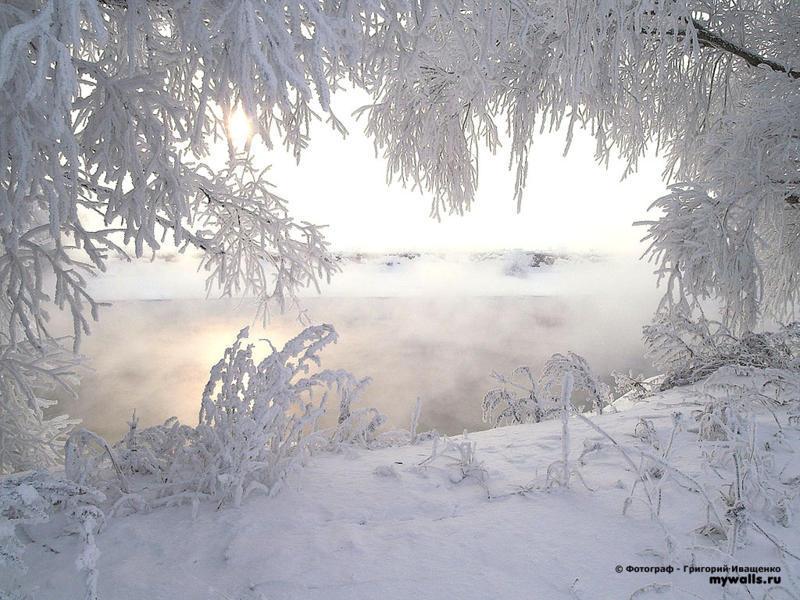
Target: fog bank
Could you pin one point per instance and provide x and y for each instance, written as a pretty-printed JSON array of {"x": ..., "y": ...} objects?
[{"x": 429, "y": 327}]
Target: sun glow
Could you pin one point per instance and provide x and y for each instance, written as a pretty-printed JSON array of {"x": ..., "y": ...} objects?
[{"x": 240, "y": 129}]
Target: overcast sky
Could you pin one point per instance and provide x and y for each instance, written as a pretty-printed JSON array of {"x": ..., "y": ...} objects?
[{"x": 572, "y": 204}]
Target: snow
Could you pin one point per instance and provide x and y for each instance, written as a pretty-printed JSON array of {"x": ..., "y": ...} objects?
[{"x": 392, "y": 524}]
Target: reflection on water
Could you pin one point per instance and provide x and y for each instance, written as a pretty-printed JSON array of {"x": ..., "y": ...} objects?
[{"x": 154, "y": 356}]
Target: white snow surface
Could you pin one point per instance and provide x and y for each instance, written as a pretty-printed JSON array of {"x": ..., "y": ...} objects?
[{"x": 383, "y": 524}]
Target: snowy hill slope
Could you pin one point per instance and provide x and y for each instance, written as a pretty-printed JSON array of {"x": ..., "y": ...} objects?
[{"x": 394, "y": 524}]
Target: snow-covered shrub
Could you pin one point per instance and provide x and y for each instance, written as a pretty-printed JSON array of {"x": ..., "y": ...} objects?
[
  {"x": 362, "y": 428},
  {"x": 84, "y": 452},
  {"x": 646, "y": 432},
  {"x": 516, "y": 400},
  {"x": 354, "y": 426},
  {"x": 521, "y": 399},
  {"x": 359, "y": 428},
  {"x": 583, "y": 377},
  {"x": 691, "y": 349},
  {"x": 743, "y": 485},
  {"x": 256, "y": 418},
  {"x": 258, "y": 422},
  {"x": 152, "y": 450},
  {"x": 560, "y": 472},
  {"x": 654, "y": 470},
  {"x": 467, "y": 462},
  {"x": 350, "y": 390}
]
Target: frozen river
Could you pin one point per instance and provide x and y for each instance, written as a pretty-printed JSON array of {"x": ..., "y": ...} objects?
[{"x": 438, "y": 340}]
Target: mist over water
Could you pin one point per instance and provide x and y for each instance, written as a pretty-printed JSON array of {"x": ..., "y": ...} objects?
[{"x": 439, "y": 341}]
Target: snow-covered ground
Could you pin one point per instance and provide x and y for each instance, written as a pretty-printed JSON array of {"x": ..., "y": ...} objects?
[{"x": 394, "y": 524}]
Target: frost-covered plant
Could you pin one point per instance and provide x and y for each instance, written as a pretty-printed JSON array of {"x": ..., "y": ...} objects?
[
  {"x": 258, "y": 422},
  {"x": 559, "y": 473},
  {"x": 744, "y": 483},
  {"x": 29, "y": 436},
  {"x": 152, "y": 451},
  {"x": 657, "y": 471},
  {"x": 522, "y": 399},
  {"x": 84, "y": 452},
  {"x": 359, "y": 428},
  {"x": 362, "y": 428},
  {"x": 412, "y": 429},
  {"x": 466, "y": 461},
  {"x": 583, "y": 377},
  {"x": 463, "y": 462},
  {"x": 256, "y": 418},
  {"x": 516, "y": 400},
  {"x": 741, "y": 486},
  {"x": 752, "y": 487},
  {"x": 350, "y": 390},
  {"x": 652, "y": 470},
  {"x": 645, "y": 431},
  {"x": 690, "y": 349}
]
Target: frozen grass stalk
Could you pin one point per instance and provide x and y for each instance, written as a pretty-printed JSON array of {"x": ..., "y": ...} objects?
[
  {"x": 415, "y": 420},
  {"x": 566, "y": 401}
]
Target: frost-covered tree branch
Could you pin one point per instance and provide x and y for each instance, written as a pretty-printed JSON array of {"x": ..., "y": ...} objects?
[
  {"x": 712, "y": 87},
  {"x": 109, "y": 111},
  {"x": 709, "y": 38}
]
